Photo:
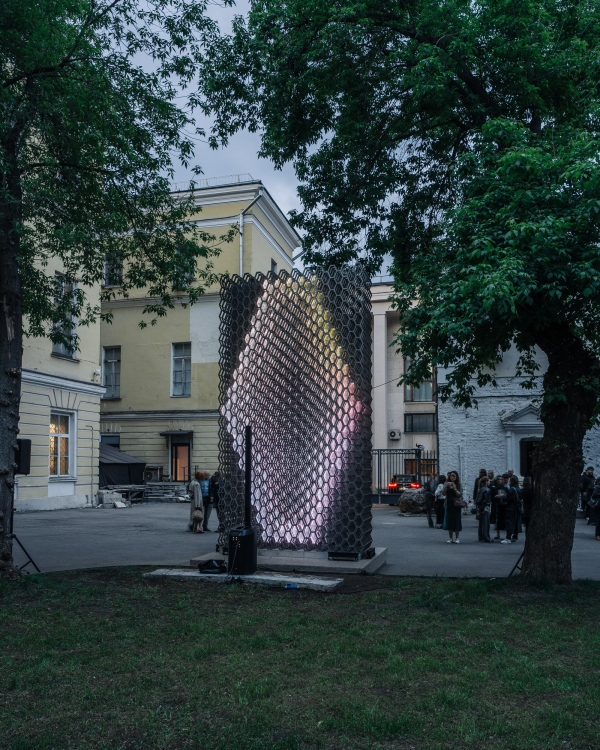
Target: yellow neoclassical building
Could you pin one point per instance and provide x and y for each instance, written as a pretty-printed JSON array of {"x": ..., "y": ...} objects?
[
  {"x": 161, "y": 400},
  {"x": 60, "y": 414}
]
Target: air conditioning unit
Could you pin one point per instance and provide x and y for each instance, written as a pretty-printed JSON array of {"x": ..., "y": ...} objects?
[{"x": 394, "y": 434}]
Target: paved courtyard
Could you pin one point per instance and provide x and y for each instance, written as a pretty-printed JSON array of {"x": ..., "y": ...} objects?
[{"x": 155, "y": 534}]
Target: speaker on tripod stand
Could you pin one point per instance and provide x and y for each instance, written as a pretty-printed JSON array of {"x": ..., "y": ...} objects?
[{"x": 243, "y": 540}]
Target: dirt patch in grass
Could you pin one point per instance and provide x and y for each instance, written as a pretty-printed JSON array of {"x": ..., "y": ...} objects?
[{"x": 108, "y": 659}]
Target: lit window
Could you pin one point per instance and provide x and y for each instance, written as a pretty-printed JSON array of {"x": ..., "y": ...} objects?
[
  {"x": 428, "y": 466},
  {"x": 419, "y": 423},
  {"x": 421, "y": 392},
  {"x": 182, "y": 370},
  {"x": 111, "y": 372},
  {"x": 60, "y": 444}
]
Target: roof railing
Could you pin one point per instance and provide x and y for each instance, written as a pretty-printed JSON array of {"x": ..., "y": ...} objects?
[{"x": 206, "y": 182}]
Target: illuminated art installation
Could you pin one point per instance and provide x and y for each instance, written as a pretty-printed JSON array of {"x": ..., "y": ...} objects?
[{"x": 295, "y": 354}]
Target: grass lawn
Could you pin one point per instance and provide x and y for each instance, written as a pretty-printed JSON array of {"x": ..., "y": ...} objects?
[{"x": 107, "y": 659}]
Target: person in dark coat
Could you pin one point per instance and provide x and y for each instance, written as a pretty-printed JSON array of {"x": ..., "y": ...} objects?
[
  {"x": 499, "y": 495},
  {"x": 596, "y": 496},
  {"x": 482, "y": 473},
  {"x": 452, "y": 516},
  {"x": 213, "y": 492},
  {"x": 484, "y": 506},
  {"x": 513, "y": 511},
  {"x": 439, "y": 502},
  {"x": 586, "y": 487},
  {"x": 527, "y": 498},
  {"x": 430, "y": 488}
]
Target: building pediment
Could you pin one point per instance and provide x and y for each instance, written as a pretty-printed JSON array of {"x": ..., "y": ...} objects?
[{"x": 524, "y": 416}]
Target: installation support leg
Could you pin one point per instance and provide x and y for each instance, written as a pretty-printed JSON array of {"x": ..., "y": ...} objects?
[{"x": 29, "y": 558}]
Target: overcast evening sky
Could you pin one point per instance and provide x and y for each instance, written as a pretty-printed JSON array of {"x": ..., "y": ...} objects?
[{"x": 240, "y": 156}]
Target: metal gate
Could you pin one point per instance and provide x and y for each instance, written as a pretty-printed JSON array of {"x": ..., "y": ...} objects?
[{"x": 389, "y": 462}]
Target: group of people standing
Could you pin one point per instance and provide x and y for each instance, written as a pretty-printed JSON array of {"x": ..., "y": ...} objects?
[
  {"x": 203, "y": 492},
  {"x": 497, "y": 500}
]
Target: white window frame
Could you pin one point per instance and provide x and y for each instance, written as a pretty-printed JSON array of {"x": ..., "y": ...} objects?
[
  {"x": 173, "y": 345},
  {"x": 59, "y": 350},
  {"x": 72, "y": 435},
  {"x": 413, "y": 414},
  {"x": 409, "y": 390},
  {"x": 104, "y": 348}
]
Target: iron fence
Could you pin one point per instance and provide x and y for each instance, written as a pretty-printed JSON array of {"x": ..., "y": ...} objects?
[{"x": 389, "y": 462}]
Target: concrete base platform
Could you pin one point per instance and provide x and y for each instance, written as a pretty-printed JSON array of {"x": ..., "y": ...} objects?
[
  {"x": 264, "y": 579},
  {"x": 308, "y": 562}
]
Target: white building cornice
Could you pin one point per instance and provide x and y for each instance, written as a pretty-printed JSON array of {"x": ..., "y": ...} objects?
[
  {"x": 243, "y": 192},
  {"x": 252, "y": 219},
  {"x": 35, "y": 377},
  {"x": 159, "y": 416}
]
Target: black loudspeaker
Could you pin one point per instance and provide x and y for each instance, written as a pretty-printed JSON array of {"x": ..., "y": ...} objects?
[
  {"x": 243, "y": 551},
  {"x": 23, "y": 456}
]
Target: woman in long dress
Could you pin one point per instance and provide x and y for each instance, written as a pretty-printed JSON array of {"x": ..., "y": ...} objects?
[{"x": 452, "y": 516}]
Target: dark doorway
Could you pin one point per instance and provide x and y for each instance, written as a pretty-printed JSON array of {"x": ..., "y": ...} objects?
[{"x": 527, "y": 446}]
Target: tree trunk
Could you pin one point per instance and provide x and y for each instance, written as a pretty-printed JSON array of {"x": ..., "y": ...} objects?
[
  {"x": 558, "y": 460},
  {"x": 11, "y": 351}
]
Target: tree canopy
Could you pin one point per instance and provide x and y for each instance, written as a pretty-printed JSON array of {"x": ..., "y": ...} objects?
[
  {"x": 95, "y": 114},
  {"x": 462, "y": 138},
  {"x": 95, "y": 111}
]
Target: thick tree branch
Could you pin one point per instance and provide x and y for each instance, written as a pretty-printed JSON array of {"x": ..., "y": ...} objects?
[
  {"x": 79, "y": 167},
  {"x": 68, "y": 59}
]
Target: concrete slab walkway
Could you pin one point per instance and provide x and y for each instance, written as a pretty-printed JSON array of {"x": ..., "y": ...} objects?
[{"x": 155, "y": 534}]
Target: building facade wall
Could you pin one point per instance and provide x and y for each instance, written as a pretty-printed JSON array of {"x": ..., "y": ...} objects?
[
  {"x": 139, "y": 436},
  {"x": 43, "y": 395},
  {"x": 490, "y": 435},
  {"x": 146, "y": 405},
  {"x": 390, "y": 406},
  {"x": 67, "y": 385}
]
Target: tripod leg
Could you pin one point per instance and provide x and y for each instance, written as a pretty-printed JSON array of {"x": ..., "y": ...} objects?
[
  {"x": 517, "y": 566},
  {"x": 29, "y": 558}
]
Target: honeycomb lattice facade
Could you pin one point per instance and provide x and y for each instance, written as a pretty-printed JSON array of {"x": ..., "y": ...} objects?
[{"x": 295, "y": 363}]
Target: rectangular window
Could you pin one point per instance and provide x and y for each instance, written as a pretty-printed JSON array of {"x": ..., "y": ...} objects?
[
  {"x": 419, "y": 423},
  {"x": 60, "y": 445},
  {"x": 114, "y": 440},
  {"x": 113, "y": 272},
  {"x": 182, "y": 370},
  {"x": 111, "y": 371},
  {"x": 64, "y": 292},
  {"x": 273, "y": 266},
  {"x": 421, "y": 392},
  {"x": 184, "y": 267}
]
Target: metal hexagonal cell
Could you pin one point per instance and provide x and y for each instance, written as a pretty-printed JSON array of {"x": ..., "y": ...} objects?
[{"x": 295, "y": 363}]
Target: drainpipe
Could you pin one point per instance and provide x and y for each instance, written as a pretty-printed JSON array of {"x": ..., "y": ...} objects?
[
  {"x": 90, "y": 427},
  {"x": 242, "y": 214},
  {"x": 437, "y": 423}
]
